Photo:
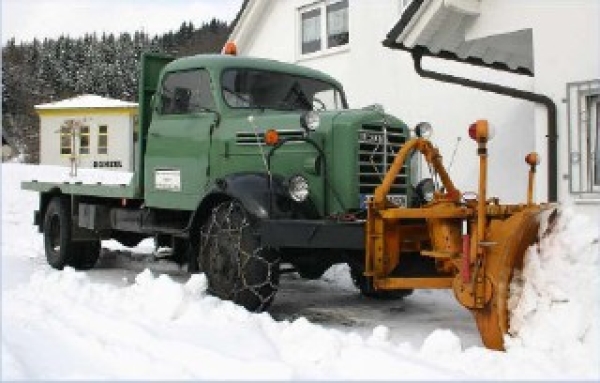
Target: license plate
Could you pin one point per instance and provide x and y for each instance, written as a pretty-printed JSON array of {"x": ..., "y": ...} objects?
[{"x": 396, "y": 199}]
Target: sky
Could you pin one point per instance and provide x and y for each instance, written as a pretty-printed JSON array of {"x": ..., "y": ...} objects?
[{"x": 28, "y": 19}]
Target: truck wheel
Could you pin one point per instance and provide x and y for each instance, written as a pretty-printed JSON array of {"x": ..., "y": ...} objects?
[
  {"x": 85, "y": 255},
  {"x": 60, "y": 250},
  {"x": 365, "y": 285},
  {"x": 236, "y": 266}
]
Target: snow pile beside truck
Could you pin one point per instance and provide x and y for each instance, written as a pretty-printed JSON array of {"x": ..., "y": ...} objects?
[
  {"x": 555, "y": 303},
  {"x": 66, "y": 325}
]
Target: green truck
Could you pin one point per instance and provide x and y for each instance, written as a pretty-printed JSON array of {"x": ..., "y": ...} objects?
[{"x": 243, "y": 166}]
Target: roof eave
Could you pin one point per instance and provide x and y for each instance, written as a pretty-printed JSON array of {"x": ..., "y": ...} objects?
[{"x": 408, "y": 20}]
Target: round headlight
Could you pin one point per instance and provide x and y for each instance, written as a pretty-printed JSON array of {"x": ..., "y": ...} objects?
[
  {"x": 310, "y": 120},
  {"x": 425, "y": 190},
  {"x": 298, "y": 188},
  {"x": 423, "y": 130}
]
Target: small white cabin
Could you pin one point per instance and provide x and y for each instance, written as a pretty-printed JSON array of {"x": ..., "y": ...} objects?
[{"x": 89, "y": 131}]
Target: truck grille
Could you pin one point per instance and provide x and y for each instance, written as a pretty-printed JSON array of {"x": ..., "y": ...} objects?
[
  {"x": 377, "y": 148},
  {"x": 249, "y": 138}
]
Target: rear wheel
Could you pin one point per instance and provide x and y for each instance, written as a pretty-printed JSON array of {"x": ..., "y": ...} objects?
[
  {"x": 236, "y": 266},
  {"x": 59, "y": 247}
]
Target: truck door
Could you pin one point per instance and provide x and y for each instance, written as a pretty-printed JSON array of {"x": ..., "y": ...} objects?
[{"x": 178, "y": 145}]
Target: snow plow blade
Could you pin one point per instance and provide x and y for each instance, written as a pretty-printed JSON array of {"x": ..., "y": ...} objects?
[
  {"x": 464, "y": 241},
  {"x": 508, "y": 240}
]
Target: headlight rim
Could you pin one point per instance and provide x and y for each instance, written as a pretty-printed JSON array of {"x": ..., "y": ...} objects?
[
  {"x": 298, "y": 195},
  {"x": 310, "y": 120}
]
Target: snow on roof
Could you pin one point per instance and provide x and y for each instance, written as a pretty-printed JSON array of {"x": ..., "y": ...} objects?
[{"x": 87, "y": 101}]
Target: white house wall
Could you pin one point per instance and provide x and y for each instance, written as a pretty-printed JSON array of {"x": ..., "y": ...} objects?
[
  {"x": 374, "y": 74},
  {"x": 120, "y": 141},
  {"x": 566, "y": 44}
]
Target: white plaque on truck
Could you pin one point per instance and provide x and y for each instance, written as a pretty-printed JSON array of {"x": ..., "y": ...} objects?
[{"x": 167, "y": 179}]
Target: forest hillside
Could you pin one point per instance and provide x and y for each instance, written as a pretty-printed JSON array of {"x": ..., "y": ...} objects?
[{"x": 107, "y": 65}]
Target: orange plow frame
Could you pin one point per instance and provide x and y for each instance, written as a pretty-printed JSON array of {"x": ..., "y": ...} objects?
[{"x": 476, "y": 243}]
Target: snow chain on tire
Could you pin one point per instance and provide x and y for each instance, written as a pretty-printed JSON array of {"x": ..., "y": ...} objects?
[{"x": 236, "y": 266}]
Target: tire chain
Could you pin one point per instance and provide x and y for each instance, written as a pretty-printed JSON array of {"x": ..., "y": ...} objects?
[{"x": 212, "y": 234}]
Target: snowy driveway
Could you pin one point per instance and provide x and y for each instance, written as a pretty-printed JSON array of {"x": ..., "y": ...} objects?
[{"x": 127, "y": 322}]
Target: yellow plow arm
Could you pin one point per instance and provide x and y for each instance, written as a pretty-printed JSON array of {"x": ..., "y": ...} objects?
[{"x": 476, "y": 245}]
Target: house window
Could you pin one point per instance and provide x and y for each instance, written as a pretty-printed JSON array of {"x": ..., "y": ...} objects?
[
  {"x": 84, "y": 140},
  {"x": 103, "y": 139},
  {"x": 583, "y": 103},
  {"x": 324, "y": 26},
  {"x": 337, "y": 24},
  {"x": 65, "y": 140},
  {"x": 311, "y": 31}
]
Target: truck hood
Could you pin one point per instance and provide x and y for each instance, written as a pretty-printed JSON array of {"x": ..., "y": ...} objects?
[{"x": 290, "y": 120}]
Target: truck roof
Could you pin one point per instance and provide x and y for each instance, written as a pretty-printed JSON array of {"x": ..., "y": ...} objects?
[{"x": 221, "y": 61}]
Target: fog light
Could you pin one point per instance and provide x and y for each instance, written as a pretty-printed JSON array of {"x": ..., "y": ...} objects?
[
  {"x": 423, "y": 130},
  {"x": 298, "y": 188},
  {"x": 425, "y": 190}
]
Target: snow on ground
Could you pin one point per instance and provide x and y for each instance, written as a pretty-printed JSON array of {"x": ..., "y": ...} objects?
[{"x": 137, "y": 323}]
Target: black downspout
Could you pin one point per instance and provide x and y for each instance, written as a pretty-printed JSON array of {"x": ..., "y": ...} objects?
[{"x": 511, "y": 92}]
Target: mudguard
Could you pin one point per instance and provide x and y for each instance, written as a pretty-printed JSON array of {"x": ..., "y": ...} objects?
[{"x": 262, "y": 196}]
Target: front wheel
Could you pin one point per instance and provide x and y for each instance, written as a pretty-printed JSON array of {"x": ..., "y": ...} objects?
[
  {"x": 59, "y": 246},
  {"x": 365, "y": 285},
  {"x": 236, "y": 266}
]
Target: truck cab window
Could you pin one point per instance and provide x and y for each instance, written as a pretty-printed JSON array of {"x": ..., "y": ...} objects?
[
  {"x": 186, "y": 92},
  {"x": 253, "y": 88}
]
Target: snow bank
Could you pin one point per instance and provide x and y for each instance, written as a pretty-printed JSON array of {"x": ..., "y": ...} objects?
[
  {"x": 68, "y": 325},
  {"x": 554, "y": 303}
]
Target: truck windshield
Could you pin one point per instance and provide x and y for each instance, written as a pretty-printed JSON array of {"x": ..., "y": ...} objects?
[{"x": 252, "y": 88}]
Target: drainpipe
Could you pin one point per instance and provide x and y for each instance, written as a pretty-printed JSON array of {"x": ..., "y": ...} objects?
[{"x": 515, "y": 93}]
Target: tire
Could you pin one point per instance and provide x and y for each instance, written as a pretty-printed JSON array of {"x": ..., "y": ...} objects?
[
  {"x": 85, "y": 255},
  {"x": 365, "y": 285},
  {"x": 236, "y": 266},
  {"x": 59, "y": 247}
]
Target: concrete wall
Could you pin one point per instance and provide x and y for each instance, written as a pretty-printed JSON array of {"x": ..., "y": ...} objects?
[
  {"x": 374, "y": 74},
  {"x": 120, "y": 140}
]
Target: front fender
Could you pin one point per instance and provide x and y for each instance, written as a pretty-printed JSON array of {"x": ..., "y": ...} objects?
[{"x": 252, "y": 190}]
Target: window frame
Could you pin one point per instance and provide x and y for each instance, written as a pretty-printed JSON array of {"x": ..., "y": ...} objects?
[
  {"x": 583, "y": 113},
  {"x": 202, "y": 109},
  {"x": 102, "y": 135},
  {"x": 338, "y": 90},
  {"x": 324, "y": 48},
  {"x": 81, "y": 135},
  {"x": 66, "y": 134}
]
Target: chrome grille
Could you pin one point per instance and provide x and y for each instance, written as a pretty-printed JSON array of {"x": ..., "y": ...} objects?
[{"x": 377, "y": 148}]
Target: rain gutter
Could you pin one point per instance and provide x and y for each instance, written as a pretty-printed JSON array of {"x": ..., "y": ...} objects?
[{"x": 552, "y": 131}]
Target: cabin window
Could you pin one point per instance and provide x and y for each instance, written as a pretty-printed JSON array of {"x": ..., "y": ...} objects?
[
  {"x": 65, "y": 140},
  {"x": 186, "y": 92},
  {"x": 103, "y": 139},
  {"x": 583, "y": 107},
  {"x": 84, "y": 140},
  {"x": 323, "y": 26}
]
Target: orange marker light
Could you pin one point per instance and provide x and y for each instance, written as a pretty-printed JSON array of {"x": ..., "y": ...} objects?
[
  {"x": 271, "y": 137},
  {"x": 532, "y": 159},
  {"x": 481, "y": 131},
  {"x": 229, "y": 49}
]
